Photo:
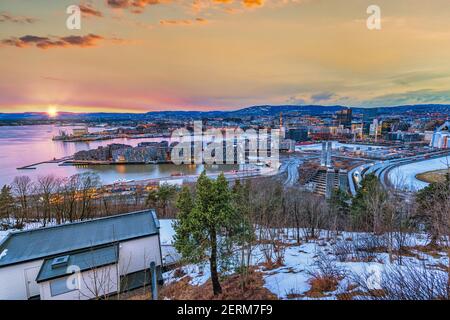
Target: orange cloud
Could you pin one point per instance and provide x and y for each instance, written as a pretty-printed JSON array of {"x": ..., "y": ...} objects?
[
  {"x": 119, "y": 4},
  {"x": 89, "y": 40},
  {"x": 123, "y": 4},
  {"x": 252, "y": 3},
  {"x": 87, "y": 10},
  {"x": 7, "y": 17},
  {"x": 184, "y": 21}
]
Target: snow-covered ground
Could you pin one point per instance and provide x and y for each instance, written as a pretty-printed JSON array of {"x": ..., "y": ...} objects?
[
  {"x": 166, "y": 231},
  {"x": 292, "y": 279},
  {"x": 3, "y": 234},
  {"x": 405, "y": 176},
  {"x": 166, "y": 234},
  {"x": 337, "y": 145}
]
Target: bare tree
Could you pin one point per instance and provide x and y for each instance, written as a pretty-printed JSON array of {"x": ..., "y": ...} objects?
[
  {"x": 407, "y": 282},
  {"x": 46, "y": 187},
  {"x": 89, "y": 183},
  {"x": 313, "y": 214},
  {"x": 22, "y": 188},
  {"x": 99, "y": 282}
]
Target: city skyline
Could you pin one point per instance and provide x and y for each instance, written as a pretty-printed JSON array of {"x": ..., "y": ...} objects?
[{"x": 140, "y": 55}]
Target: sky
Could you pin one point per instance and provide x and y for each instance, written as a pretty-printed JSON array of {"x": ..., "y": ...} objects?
[{"x": 148, "y": 55}]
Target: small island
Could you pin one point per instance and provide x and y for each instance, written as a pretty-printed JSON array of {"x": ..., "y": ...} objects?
[{"x": 138, "y": 132}]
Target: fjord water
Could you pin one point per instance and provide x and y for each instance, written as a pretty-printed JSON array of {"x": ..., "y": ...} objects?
[{"x": 25, "y": 145}]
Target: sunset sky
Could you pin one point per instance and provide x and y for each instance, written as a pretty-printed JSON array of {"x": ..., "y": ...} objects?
[{"x": 145, "y": 55}]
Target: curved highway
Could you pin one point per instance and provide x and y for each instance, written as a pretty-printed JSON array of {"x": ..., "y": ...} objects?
[{"x": 381, "y": 168}]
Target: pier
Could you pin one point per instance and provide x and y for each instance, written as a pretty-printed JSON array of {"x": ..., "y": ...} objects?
[{"x": 33, "y": 166}]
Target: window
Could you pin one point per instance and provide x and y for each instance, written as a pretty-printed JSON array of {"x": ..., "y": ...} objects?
[
  {"x": 135, "y": 280},
  {"x": 63, "y": 285},
  {"x": 60, "y": 262}
]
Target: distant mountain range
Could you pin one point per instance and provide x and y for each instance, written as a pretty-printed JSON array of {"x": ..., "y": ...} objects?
[{"x": 255, "y": 111}]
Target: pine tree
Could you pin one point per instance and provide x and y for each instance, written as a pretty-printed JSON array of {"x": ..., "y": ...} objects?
[
  {"x": 6, "y": 202},
  {"x": 241, "y": 203},
  {"x": 339, "y": 208},
  {"x": 339, "y": 202},
  {"x": 368, "y": 204},
  {"x": 245, "y": 233},
  {"x": 205, "y": 224},
  {"x": 162, "y": 197}
]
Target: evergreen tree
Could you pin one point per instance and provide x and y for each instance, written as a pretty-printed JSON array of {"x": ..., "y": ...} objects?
[
  {"x": 339, "y": 202},
  {"x": 162, "y": 197},
  {"x": 367, "y": 206},
  {"x": 339, "y": 207},
  {"x": 245, "y": 233},
  {"x": 206, "y": 224},
  {"x": 242, "y": 206},
  {"x": 6, "y": 202},
  {"x": 184, "y": 240}
]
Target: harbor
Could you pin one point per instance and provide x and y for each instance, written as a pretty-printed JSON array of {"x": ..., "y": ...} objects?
[{"x": 31, "y": 151}]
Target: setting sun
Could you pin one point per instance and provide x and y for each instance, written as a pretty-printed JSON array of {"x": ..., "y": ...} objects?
[{"x": 52, "y": 112}]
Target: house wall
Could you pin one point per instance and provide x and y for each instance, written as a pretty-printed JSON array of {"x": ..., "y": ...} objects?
[
  {"x": 12, "y": 280},
  {"x": 88, "y": 289},
  {"x": 136, "y": 255}
]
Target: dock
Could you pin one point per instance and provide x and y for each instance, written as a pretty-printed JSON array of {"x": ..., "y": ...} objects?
[{"x": 34, "y": 165}]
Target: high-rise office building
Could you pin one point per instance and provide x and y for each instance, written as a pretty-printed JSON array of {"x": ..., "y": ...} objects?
[
  {"x": 344, "y": 117},
  {"x": 297, "y": 134}
]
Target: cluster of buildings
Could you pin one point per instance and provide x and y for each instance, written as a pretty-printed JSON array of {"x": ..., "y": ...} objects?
[
  {"x": 147, "y": 130},
  {"x": 77, "y": 133},
  {"x": 152, "y": 129},
  {"x": 441, "y": 137},
  {"x": 297, "y": 134},
  {"x": 145, "y": 152},
  {"x": 102, "y": 153},
  {"x": 370, "y": 126}
]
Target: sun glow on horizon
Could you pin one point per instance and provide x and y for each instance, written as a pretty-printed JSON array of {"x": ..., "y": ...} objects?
[{"x": 52, "y": 111}]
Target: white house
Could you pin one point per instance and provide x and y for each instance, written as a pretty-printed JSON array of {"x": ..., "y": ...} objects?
[{"x": 82, "y": 260}]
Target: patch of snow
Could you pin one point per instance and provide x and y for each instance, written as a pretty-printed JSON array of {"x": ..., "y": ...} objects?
[
  {"x": 292, "y": 279},
  {"x": 166, "y": 234},
  {"x": 199, "y": 273},
  {"x": 166, "y": 231},
  {"x": 169, "y": 255},
  {"x": 405, "y": 175},
  {"x": 3, "y": 254},
  {"x": 282, "y": 284},
  {"x": 3, "y": 234}
]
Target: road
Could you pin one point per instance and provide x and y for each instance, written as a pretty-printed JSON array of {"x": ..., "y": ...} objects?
[
  {"x": 381, "y": 168},
  {"x": 290, "y": 166}
]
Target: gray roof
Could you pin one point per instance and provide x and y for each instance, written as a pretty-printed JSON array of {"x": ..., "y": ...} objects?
[
  {"x": 84, "y": 260},
  {"x": 45, "y": 242}
]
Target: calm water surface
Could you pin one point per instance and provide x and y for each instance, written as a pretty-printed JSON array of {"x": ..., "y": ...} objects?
[{"x": 25, "y": 145}]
